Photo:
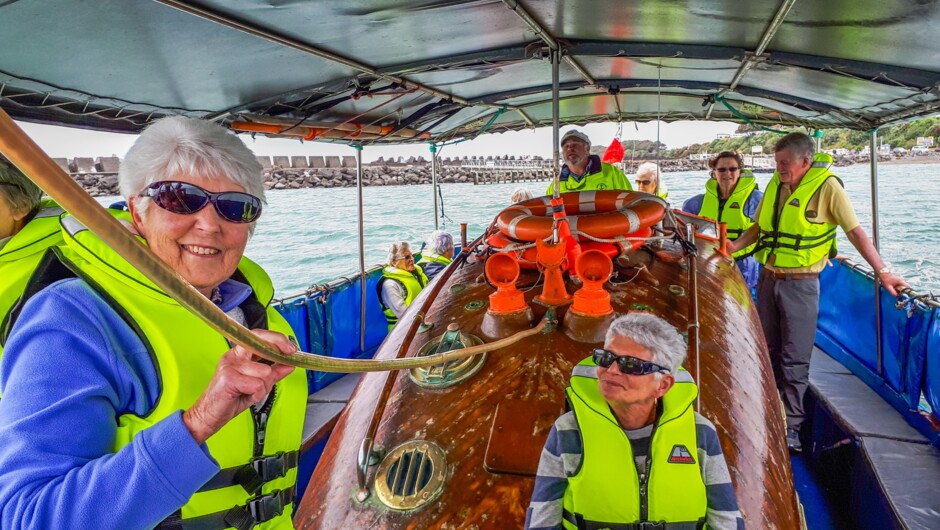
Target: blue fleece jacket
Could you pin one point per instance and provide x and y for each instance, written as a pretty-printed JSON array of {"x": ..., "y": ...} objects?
[{"x": 71, "y": 367}]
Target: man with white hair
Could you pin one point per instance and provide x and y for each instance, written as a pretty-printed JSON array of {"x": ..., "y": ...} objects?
[
  {"x": 582, "y": 170},
  {"x": 632, "y": 435},
  {"x": 438, "y": 253}
]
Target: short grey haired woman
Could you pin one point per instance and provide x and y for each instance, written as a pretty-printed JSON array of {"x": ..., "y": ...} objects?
[
  {"x": 631, "y": 402},
  {"x": 520, "y": 194},
  {"x": 438, "y": 253},
  {"x": 109, "y": 381},
  {"x": 648, "y": 180}
]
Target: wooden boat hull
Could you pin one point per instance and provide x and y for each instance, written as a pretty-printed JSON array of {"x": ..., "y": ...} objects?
[{"x": 492, "y": 426}]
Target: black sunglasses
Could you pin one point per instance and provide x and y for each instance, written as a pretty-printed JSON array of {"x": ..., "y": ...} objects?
[
  {"x": 628, "y": 365},
  {"x": 726, "y": 169},
  {"x": 184, "y": 198}
]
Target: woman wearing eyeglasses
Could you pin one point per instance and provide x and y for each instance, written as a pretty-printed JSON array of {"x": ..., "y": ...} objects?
[
  {"x": 632, "y": 449},
  {"x": 123, "y": 410},
  {"x": 28, "y": 226},
  {"x": 731, "y": 196},
  {"x": 401, "y": 282},
  {"x": 648, "y": 181}
]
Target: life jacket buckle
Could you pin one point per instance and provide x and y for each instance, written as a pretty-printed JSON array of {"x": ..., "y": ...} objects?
[
  {"x": 270, "y": 467},
  {"x": 267, "y": 507},
  {"x": 649, "y": 525}
]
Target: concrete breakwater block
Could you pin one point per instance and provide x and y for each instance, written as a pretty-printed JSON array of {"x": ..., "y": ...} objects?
[
  {"x": 317, "y": 162},
  {"x": 333, "y": 161},
  {"x": 63, "y": 163},
  {"x": 282, "y": 161},
  {"x": 298, "y": 162},
  {"x": 349, "y": 161},
  {"x": 84, "y": 165},
  {"x": 265, "y": 161},
  {"x": 108, "y": 164}
]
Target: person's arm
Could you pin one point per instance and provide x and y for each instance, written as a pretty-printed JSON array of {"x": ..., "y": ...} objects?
[
  {"x": 693, "y": 205},
  {"x": 860, "y": 241},
  {"x": 722, "y": 511},
  {"x": 747, "y": 238},
  {"x": 67, "y": 374},
  {"x": 551, "y": 479},
  {"x": 394, "y": 294}
]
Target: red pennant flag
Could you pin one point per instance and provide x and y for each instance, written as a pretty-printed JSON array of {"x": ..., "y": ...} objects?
[{"x": 614, "y": 152}]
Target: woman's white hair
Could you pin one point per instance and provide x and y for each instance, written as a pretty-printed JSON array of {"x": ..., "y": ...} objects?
[
  {"x": 23, "y": 196},
  {"x": 397, "y": 251},
  {"x": 653, "y": 333},
  {"x": 440, "y": 242},
  {"x": 520, "y": 194},
  {"x": 648, "y": 168},
  {"x": 175, "y": 147}
]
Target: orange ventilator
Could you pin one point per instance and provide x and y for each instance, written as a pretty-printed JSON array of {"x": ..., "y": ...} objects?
[
  {"x": 593, "y": 268},
  {"x": 502, "y": 270},
  {"x": 551, "y": 259}
]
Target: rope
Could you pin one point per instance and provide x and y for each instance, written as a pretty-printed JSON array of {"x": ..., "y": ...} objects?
[{"x": 744, "y": 118}]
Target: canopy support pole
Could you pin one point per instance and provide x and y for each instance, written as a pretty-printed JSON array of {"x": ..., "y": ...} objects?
[
  {"x": 555, "y": 57},
  {"x": 873, "y": 156},
  {"x": 362, "y": 255},
  {"x": 434, "y": 181}
]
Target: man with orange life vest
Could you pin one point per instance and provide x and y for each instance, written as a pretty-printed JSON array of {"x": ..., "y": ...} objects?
[
  {"x": 582, "y": 170},
  {"x": 121, "y": 408},
  {"x": 731, "y": 197},
  {"x": 631, "y": 452},
  {"x": 28, "y": 226},
  {"x": 400, "y": 283},
  {"x": 796, "y": 235}
]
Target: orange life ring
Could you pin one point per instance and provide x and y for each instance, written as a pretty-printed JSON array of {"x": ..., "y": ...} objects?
[{"x": 599, "y": 214}]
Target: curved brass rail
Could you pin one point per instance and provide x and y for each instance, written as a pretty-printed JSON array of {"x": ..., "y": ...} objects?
[{"x": 19, "y": 148}]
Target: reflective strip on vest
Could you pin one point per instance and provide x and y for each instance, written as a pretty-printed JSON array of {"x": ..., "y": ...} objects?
[
  {"x": 185, "y": 353},
  {"x": 793, "y": 239},
  {"x": 607, "y": 490}
]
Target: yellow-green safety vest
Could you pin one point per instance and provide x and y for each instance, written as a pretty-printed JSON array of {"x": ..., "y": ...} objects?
[
  {"x": 607, "y": 488},
  {"x": 22, "y": 254},
  {"x": 258, "y": 465},
  {"x": 732, "y": 214},
  {"x": 413, "y": 283},
  {"x": 789, "y": 235},
  {"x": 608, "y": 178},
  {"x": 433, "y": 258}
]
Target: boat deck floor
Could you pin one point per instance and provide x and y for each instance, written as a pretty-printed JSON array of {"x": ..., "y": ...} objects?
[{"x": 872, "y": 464}]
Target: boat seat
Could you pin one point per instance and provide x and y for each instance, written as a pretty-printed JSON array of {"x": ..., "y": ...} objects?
[
  {"x": 892, "y": 469},
  {"x": 859, "y": 407},
  {"x": 324, "y": 407}
]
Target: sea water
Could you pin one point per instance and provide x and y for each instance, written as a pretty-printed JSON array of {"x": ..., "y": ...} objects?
[{"x": 310, "y": 236}]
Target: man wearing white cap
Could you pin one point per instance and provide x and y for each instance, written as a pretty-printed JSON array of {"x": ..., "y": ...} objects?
[{"x": 582, "y": 170}]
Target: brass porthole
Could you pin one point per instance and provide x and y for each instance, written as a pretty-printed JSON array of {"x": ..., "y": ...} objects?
[
  {"x": 411, "y": 475},
  {"x": 451, "y": 372}
]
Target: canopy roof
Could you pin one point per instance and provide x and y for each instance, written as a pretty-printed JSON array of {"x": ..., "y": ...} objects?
[{"x": 433, "y": 70}]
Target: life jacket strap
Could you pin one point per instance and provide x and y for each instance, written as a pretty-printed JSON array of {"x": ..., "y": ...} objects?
[
  {"x": 254, "y": 474},
  {"x": 256, "y": 511},
  {"x": 582, "y": 524}
]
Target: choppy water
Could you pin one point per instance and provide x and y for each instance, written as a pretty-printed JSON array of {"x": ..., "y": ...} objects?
[{"x": 310, "y": 236}]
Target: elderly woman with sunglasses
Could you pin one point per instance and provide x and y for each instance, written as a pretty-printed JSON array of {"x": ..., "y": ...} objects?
[
  {"x": 632, "y": 449},
  {"x": 123, "y": 410},
  {"x": 648, "y": 180},
  {"x": 29, "y": 225},
  {"x": 731, "y": 196},
  {"x": 401, "y": 282}
]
